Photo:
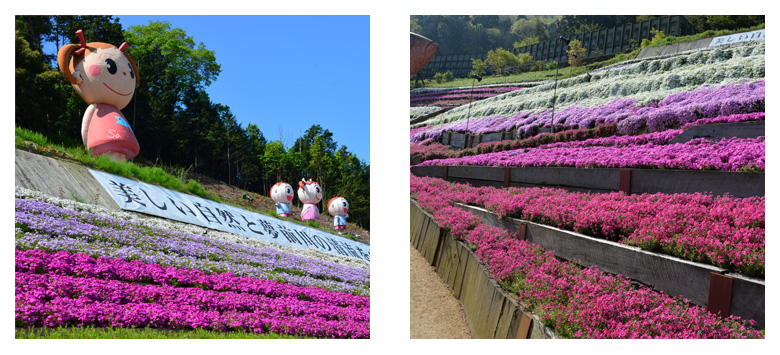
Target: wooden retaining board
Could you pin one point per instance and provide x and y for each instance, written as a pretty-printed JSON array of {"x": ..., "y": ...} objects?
[
  {"x": 749, "y": 298},
  {"x": 63, "y": 179},
  {"x": 715, "y": 131},
  {"x": 490, "y": 311},
  {"x": 673, "y": 276},
  {"x": 492, "y": 137},
  {"x": 718, "y": 131},
  {"x": 736, "y": 184},
  {"x": 415, "y": 159},
  {"x": 457, "y": 140},
  {"x": 599, "y": 180}
]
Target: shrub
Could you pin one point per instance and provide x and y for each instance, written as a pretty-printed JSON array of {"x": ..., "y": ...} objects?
[
  {"x": 501, "y": 60},
  {"x": 479, "y": 67},
  {"x": 658, "y": 38},
  {"x": 576, "y": 53},
  {"x": 443, "y": 77}
]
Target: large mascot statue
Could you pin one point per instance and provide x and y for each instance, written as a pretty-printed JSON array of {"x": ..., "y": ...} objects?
[
  {"x": 105, "y": 78},
  {"x": 338, "y": 208},
  {"x": 421, "y": 51},
  {"x": 282, "y": 193},
  {"x": 310, "y": 193}
]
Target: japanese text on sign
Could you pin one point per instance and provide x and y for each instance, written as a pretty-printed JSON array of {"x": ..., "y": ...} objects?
[{"x": 137, "y": 196}]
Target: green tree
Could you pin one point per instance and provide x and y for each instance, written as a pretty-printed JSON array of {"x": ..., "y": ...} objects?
[
  {"x": 524, "y": 61},
  {"x": 526, "y": 42},
  {"x": 503, "y": 61},
  {"x": 479, "y": 67},
  {"x": 169, "y": 63},
  {"x": 273, "y": 160},
  {"x": 703, "y": 23},
  {"x": 255, "y": 152},
  {"x": 576, "y": 53},
  {"x": 658, "y": 38},
  {"x": 500, "y": 59},
  {"x": 36, "y": 91}
]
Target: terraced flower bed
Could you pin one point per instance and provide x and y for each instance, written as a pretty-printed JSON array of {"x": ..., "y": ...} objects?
[
  {"x": 637, "y": 115},
  {"x": 672, "y": 111},
  {"x": 646, "y": 82},
  {"x": 55, "y": 289},
  {"x": 580, "y": 302},
  {"x": 734, "y": 154},
  {"x": 449, "y": 98},
  {"x": 79, "y": 268},
  {"x": 722, "y": 231},
  {"x": 654, "y": 95}
]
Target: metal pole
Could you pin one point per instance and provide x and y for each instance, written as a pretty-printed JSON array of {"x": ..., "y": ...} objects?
[
  {"x": 227, "y": 135},
  {"x": 468, "y": 116},
  {"x": 555, "y": 90}
]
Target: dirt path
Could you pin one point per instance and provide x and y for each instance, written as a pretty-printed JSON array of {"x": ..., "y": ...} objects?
[{"x": 434, "y": 312}]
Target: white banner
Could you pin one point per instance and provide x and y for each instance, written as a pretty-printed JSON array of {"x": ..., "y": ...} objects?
[
  {"x": 757, "y": 35},
  {"x": 141, "y": 197}
]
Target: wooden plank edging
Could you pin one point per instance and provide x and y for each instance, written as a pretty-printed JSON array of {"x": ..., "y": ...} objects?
[
  {"x": 490, "y": 311},
  {"x": 673, "y": 276},
  {"x": 599, "y": 180}
]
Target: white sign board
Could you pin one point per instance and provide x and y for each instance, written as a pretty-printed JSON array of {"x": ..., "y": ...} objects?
[
  {"x": 757, "y": 35},
  {"x": 145, "y": 198}
]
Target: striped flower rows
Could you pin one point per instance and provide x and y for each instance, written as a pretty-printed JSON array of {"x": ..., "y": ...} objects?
[
  {"x": 63, "y": 289},
  {"x": 40, "y": 225},
  {"x": 646, "y": 82},
  {"x": 724, "y": 231},
  {"x": 673, "y": 111},
  {"x": 77, "y": 268}
]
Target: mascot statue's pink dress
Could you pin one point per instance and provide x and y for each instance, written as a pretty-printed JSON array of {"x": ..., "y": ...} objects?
[{"x": 310, "y": 193}]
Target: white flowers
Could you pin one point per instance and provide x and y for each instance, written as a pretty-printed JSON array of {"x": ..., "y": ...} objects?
[{"x": 646, "y": 81}]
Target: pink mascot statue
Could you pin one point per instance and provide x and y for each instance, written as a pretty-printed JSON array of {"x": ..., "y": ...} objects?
[
  {"x": 310, "y": 193},
  {"x": 282, "y": 193},
  {"x": 105, "y": 78},
  {"x": 338, "y": 208}
]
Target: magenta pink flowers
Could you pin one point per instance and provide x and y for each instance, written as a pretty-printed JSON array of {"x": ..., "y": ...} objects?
[
  {"x": 576, "y": 302},
  {"x": 723, "y": 231},
  {"x": 63, "y": 289},
  {"x": 163, "y": 279}
]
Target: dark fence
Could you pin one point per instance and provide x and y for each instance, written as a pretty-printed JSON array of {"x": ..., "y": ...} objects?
[
  {"x": 606, "y": 42},
  {"x": 459, "y": 64},
  {"x": 611, "y": 41}
]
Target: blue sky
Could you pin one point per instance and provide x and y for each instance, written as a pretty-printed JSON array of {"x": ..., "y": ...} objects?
[{"x": 286, "y": 73}]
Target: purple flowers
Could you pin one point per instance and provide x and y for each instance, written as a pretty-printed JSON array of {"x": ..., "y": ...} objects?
[
  {"x": 672, "y": 112},
  {"x": 83, "y": 269},
  {"x": 44, "y": 226}
]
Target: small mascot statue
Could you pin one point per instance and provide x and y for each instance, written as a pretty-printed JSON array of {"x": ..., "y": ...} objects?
[
  {"x": 105, "y": 78},
  {"x": 310, "y": 194},
  {"x": 282, "y": 193},
  {"x": 338, "y": 208}
]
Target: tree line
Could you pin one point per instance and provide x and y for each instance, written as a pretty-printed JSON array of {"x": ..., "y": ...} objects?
[
  {"x": 174, "y": 119},
  {"x": 459, "y": 34}
]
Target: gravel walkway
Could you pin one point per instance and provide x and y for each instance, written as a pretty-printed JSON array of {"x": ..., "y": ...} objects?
[{"x": 434, "y": 312}]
